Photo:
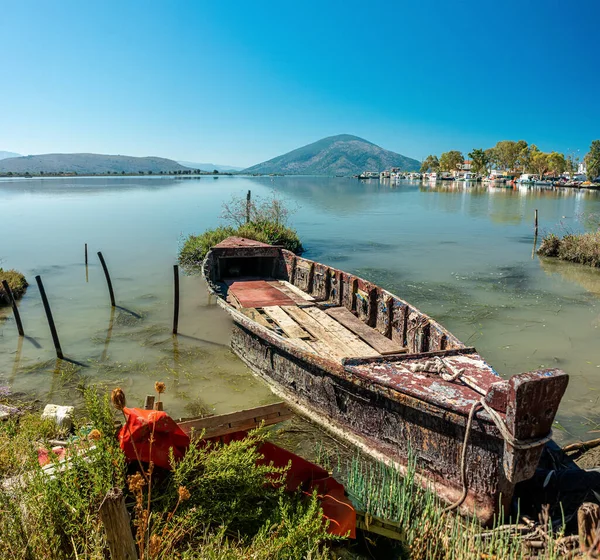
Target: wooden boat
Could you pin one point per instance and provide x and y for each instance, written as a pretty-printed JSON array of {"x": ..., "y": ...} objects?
[{"x": 378, "y": 372}]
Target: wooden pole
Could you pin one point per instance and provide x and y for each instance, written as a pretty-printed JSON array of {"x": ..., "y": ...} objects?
[
  {"x": 176, "y": 299},
  {"x": 149, "y": 402},
  {"x": 110, "y": 288},
  {"x": 86, "y": 256},
  {"x": 588, "y": 520},
  {"x": 59, "y": 353},
  {"x": 11, "y": 300},
  {"x": 117, "y": 525},
  {"x": 248, "y": 204},
  {"x": 535, "y": 221}
]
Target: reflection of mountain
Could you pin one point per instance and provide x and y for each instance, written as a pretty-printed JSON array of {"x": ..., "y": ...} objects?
[{"x": 586, "y": 276}]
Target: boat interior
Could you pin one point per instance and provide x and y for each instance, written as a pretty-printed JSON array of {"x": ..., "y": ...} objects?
[{"x": 321, "y": 309}]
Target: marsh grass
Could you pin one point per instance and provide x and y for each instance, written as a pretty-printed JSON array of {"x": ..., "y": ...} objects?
[
  {"x": 16, "y": 282},
  {"x": 217, "y": 502},
  {"x": 581, "y": 248}
]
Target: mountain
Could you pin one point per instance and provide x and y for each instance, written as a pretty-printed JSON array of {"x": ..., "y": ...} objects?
[
  {"x": 87, "y": 163},
  {"x": 4, "y": 155},
  {"x": 210, "y": 167},
  {"x": 336, "y": 155}
]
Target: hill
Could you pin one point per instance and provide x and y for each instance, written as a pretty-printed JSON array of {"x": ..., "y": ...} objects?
[
  {"x": 4, "y": 155},
  {"x": 210, "y": 167},
  {"x": 336, "y": 155},
  {"x": 87, "y": 164}
]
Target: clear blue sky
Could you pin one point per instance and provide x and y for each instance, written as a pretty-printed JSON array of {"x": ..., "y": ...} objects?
[{"x": 239, "y": 82}]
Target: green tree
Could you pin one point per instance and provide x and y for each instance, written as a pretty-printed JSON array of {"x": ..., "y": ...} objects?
[
  {"x": 592, "y": 161},
  {"x": 430, "y": 163},
  {"x": 572, "y": 164},
  {"x": 479, "y": 160},
  {"x": 492, "y": 159},
  {"x": 538, "y": 161},
  {"x": 557, "y": 163},
  {"x": 508, "y": 153},
  {"x": 449, "y": 161}
]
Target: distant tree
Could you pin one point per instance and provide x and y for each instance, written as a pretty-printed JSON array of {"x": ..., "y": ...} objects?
[
  {"x": 122, "y": 172},
  {"x": 479, "y": 159},
  {"x": 149, "y": 172},
  {"x": 492, "y": 159},
  {"x": 592, "y": 161},
  {"x": 557, "y": 163},
  {"x": 215, "y": 171},
  {"x": 41, "y": 172},
  {"x": 539, "y": 162},
  {"x": 508, "y": 153},
  {"x": 572, "y": 163},
  {"x": 430, "y": 163},
  {"x": 449, "y": 161}
]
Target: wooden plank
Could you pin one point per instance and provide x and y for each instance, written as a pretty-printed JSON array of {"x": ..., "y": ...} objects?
[
  {"x": 287, "y": 324},
  {"x": 353, "y": 343},
  {"x": 297, "y": 299},
  {"x": 297, "y": 291},
  {"x": 372, "y": 337},
  {"x": 256, "y": 316},
  {"x": 378, "y": 526},
  {"x": 235, "y": 421},
  {"x": 326, "y": 342}
]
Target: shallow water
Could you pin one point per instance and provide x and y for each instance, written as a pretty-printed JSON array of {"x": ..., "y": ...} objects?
[{"x": 463, "y": 255}]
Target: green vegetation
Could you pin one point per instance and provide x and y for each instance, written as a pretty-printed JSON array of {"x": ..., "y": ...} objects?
[
  {"x": 215, "y": 503},
  {"x": 16, "y": 282},
  {"x": 581, "y": 248},
  {"x": 430, "y": 163},
  {"x": 261, "y": 220},
  {"x": 449, "y": 161},
  {"x": 592, "y": 161}
]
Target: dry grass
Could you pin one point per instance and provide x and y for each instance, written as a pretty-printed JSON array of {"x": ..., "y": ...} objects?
[
  {"x": 16, "y": 282},
  {"x": 581, "y": 248}
]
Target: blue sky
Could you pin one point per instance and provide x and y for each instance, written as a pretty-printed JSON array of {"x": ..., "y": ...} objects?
[{"x": 240, "y": 82}]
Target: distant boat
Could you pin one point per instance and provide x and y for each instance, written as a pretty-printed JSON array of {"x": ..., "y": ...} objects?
[{"x": 527, "y": 179}]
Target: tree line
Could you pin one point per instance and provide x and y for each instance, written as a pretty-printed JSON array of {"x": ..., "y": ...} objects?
[{"x": 515, "y": 157}]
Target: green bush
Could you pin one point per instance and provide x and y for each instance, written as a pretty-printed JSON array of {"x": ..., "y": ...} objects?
[
  {"x": 194, "y": 248},
  {"x": 16, "y": 282},
  {"x": 579, "y": 248}
]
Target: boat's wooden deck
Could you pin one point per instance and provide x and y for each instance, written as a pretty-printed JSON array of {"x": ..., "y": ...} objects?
[{"x": 330, "y": 331}]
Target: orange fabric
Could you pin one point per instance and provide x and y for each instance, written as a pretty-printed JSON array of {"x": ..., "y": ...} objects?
[{"x": 167, "y": 434}]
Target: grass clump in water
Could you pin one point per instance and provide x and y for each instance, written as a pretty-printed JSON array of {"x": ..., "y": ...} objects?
[
  {"x": 16, "y": 282},
  {"x": 263, "y": 221},
  {"x": 581, "y": 248}
]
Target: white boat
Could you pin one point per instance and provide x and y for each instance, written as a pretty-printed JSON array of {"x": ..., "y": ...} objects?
[{"x": 527, "y": 179}]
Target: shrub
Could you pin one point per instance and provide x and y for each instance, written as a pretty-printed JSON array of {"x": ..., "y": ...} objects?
[
  {"x": 549, "y": 246},
  {"x": 16, "y": 282},
  {"x": 194, "y": 248},
  {"x": 579, "y": 248}
]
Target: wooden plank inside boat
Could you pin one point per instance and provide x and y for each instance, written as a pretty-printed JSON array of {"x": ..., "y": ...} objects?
[
  {"x": 354, "y": 344},
  {"x": 257, "y": 293},
  {"x": 327, "y": 343},
  {"x": 300, "y": 300},
  {"x": 234, "y": 422},
  {"x": 297, "y": 291},
  {"x": 256, "y": 316},
  {"x": 287, "y": 324},
  {"x": 373, "y": 338}
]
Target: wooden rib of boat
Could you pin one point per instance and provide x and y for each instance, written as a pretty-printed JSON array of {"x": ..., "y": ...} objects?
[{"x": 378, "y": 372}]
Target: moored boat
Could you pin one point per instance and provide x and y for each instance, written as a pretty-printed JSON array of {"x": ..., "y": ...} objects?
[{"x": 378, "y": 372}]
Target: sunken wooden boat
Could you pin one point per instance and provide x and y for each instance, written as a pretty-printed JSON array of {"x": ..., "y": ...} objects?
[{"x": 375, "y": 370}]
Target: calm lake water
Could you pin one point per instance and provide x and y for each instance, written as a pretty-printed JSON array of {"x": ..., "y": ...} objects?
[{"x": 463, "y": 255}]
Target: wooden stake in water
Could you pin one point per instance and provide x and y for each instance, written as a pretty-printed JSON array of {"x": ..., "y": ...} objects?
[
  {"x": 248, "y": 204},
  {"x": 176, "y": 299},
  {"x": 13, "y": 303},
  {"x": 86, "y": 257},
  {"x": 59, "y": 353},
  {"x": 87, "y": 276},
  {"x": 110, "y": 288},
  {"x": 535, "y": 222}
]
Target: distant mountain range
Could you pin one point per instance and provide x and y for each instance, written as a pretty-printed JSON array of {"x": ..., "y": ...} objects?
[
  {"x": 336, "y": 155},
  {"x": 87, "y": 164},
  {"x": 210, "y": 167},
  {"x": 4, "y": 155}
]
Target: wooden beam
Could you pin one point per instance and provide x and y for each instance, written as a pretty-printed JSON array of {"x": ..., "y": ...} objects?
[
  {"x": 117, "y": 526},
  {"x": 373, "y": 338},
  {"x": 287, "y": 324},
  {"x": 236, "y": 421}
]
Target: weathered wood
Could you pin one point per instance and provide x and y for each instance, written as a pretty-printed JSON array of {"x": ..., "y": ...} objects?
[
  {"x": 149, "y": 402},
  {"x": 13, "y": 303},
  {"x": 59, "y": 352},
  {"x": 176, "y": 298},
  {"x": 297, "y": 296},
  {"x": 256, "y": 316},
  {"x": 108, "y": 281},
  {"x": 355, "y": 345},
  {"x": 86, "y": 255},
  {"x": 337, "y": 348},
  {"x": 117, "y": 525},
  {"x": 236, "y": 421},
  {"x": 297, "y": 291},
  {"x": 287, "y": 324},
  {"x": 581, "y": 445},
  {"x": 159, "y": 405},
  {"x": 588, "y": 523},
  {"x": 372, "y": 337}
]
